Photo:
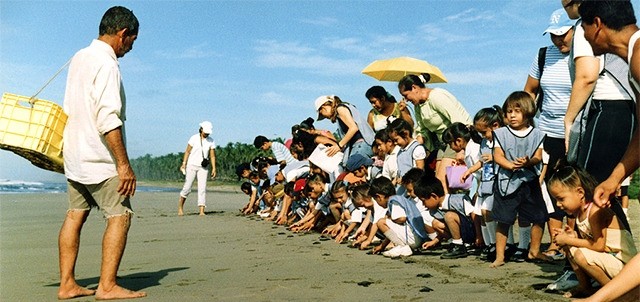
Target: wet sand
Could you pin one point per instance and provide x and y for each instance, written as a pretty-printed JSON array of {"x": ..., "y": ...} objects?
[{"x": 226, "y": 257}]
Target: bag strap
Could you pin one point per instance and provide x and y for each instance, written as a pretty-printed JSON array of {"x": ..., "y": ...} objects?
[
  {"x": 542, "y": 55},
  {"x": 32, "y": 99}
]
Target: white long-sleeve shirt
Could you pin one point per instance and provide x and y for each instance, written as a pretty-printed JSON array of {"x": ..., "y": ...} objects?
[{"x": 95, "y": 104}]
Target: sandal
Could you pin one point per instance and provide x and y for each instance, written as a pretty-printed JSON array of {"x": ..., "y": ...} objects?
[{"x": 554, "y": 254}]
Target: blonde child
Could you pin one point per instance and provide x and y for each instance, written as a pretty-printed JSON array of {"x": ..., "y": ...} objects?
[
  {"x": 518, "y": 158},
  {"x": 602, "y": 245}
]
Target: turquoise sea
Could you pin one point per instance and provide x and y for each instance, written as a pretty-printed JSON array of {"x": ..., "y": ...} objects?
[{"x": 27, "y": 187}]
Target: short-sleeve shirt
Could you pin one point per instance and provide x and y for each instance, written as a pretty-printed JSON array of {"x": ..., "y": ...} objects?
[
  {"x": 556, "y": 86},
  {"x": 438, "y": 113},
  {"x": 199, "y": 148},
  {"x": 606, "y": 88}
]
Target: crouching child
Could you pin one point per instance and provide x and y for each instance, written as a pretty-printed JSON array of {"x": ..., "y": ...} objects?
[
  {"x": 449, "y": 216},
  {"x": 403, "y": 225}
]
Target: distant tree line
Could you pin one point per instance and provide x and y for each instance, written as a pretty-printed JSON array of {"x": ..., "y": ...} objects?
[{"x": 167, "y": 167}]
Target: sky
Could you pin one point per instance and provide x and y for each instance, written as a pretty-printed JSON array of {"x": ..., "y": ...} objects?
[{"x": 255, "y": 67}]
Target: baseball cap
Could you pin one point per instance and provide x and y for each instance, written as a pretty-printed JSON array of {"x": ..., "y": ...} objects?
[
  {"x": 559, "y": 23},
  {"x": 356, "y": 161},
  {"x": 299, "y": 185},
  {"x": 321, "y": 100},
  {"x": 206, "y": 127}
]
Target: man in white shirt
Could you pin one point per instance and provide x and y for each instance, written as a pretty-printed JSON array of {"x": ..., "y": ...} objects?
[{"x": 95, "y": 157}]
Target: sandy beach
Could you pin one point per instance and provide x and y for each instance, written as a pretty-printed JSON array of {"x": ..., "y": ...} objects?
[{"x": 226, "y": 257}]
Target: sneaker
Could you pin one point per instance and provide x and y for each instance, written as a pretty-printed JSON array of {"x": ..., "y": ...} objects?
[
  {"x": 475, "y": 250},
  {"x": 520, "y": 255},
  {"x": 509, "y": 250},
  {"x": 456, "y": 251},
  {"x": 488, "y": 253},
  {"x": 397, "y": 251},
  {"x": 567, "y": 281}
]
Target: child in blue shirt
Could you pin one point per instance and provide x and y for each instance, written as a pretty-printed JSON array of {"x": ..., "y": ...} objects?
[
  {"x": 403, "y": 223},
  {"x": 518, "y": 156}
]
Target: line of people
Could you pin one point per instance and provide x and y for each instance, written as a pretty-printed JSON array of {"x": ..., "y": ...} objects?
[{"x": 399, "y": 184}]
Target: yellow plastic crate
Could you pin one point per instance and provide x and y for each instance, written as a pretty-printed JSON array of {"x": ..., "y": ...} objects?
[{"x": 33, "y": 132}]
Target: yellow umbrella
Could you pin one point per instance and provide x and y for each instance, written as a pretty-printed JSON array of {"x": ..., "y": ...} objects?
[{"x": 396, "y": 68}]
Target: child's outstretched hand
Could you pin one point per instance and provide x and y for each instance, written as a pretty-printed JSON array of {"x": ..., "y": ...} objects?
[
  {"x": 430, "y": 244},
  {"x": 464, "y": 176}
]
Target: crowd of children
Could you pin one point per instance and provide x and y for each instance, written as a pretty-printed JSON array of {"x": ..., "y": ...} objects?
[{"x": 378, "y": 191}]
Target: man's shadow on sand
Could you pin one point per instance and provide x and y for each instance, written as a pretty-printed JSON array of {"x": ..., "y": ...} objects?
[{"x": 135, "y": 282}]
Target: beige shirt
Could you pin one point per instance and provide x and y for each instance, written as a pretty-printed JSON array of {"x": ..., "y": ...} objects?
[
  {"x": 436, "y": 114},
  {"x": 95, "y": 103}
]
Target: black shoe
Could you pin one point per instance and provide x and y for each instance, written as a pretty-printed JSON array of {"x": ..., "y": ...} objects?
[
  {"x": 456, "y": 251},
  {"x": 475, "y": 250},
  {"x": 509, "y": 250},
  {"x": 520, "y": 255},
  {"x": 488, "y": 253}
]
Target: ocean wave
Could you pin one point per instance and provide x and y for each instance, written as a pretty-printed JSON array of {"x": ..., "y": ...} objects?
[{"x": 28, "y": 187}]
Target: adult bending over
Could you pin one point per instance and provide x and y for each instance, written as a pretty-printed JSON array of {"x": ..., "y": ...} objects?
[
  {"x": 95, "y": 157},
  {"x": 435, "y": 110}
]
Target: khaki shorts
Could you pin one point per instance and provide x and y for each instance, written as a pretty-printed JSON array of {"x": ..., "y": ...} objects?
[
  {"x": 103, "y": 196},
  {"x": 606, "y": 261},
  {"x": 447, "y": 153}
]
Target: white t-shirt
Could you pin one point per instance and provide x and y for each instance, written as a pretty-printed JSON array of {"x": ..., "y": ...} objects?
[
  {"x": 397, "y": 212},
  {"x": 390, "y": 166},
  {"x": 606, "y": 87},
  {"x": 472, "y": 156},
  {"x": 94, "y": 101},
  {"x": 197, "y": 147},
  {"x": 378, "y": 211}
]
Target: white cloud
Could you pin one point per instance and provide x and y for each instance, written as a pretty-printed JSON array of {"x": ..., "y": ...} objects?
[
  {"x": 351, "y": 45},
  {"x": 433, "y": 33},
  {"x": 471, "y": 15},
  {"x": 274, "y": 54}
]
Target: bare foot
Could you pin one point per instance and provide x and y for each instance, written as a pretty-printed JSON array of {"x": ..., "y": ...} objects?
[
  {"x": 75, "y": 292},
  {"x": 579, "y": 293},
  {"x": 118, "y": 292},
  {"x": 180, "y": 212},
  {"x": 496, "y": 264}
]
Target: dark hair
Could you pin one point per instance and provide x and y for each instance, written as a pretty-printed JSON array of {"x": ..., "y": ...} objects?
[
  {"x": 412, "y": 176},
  {"x": 428, "y": 185},
  {"x": 572, "y": 176},
  {"x": 259, "y": 141},
  {"x": 245, "y": 186},
  {"x": 382, "y": 185},
  {"x": 383, "y": 135},
  {"x": 380, "y": 93},
  {"x": 490, "y": 115},
  {"x": 116, "y": 19},
  {"x": 360, "y": 191},
  {"x": 524, "y": 101},
  {"x": 254, "y": 174},
  {"x": 241, "y": 168},
  {"x": 459, "y": 130},
  {"x": 401, "y": 127},
  {"x": 307, "y": 124},
  {"x": 615, "y": 14},
  {"x": 408, "y": 81}
]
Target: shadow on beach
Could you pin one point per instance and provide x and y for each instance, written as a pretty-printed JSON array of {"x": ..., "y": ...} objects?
[{"x": 135, "y": 282}]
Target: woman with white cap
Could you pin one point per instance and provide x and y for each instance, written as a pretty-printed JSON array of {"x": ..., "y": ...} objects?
[
  {"x": 200, "y": 153},
  {"x": 356, "y": 136},
  {"x": 550, "y": 82}
]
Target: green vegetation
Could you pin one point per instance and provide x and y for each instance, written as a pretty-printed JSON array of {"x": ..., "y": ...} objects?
[{"x": 167, "y": 167}]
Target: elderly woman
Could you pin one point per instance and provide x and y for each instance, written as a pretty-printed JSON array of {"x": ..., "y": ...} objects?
[
  {"x": 435, "y": 110},
  {"x": 385, "y": 109}
]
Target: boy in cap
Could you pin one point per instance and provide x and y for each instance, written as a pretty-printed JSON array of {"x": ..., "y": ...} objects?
[{"x": 357, "y": 169}]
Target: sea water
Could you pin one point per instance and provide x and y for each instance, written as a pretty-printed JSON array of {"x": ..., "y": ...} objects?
[{"x": 25, "y": 187}]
